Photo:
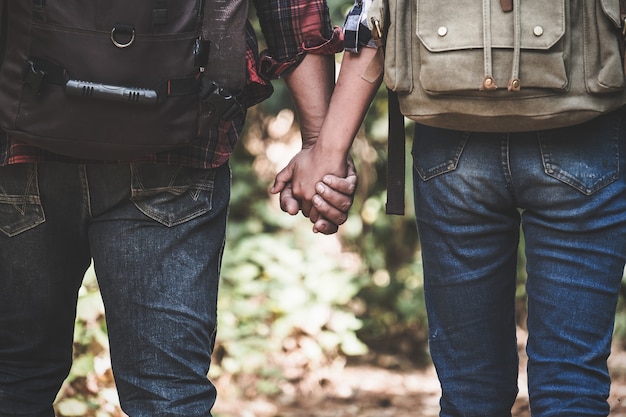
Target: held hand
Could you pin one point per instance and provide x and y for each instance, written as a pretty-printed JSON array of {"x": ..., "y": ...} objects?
[
  {"x": 282, "y": 184},
  {"x": 331, "y": 202},
  {"x": 303, "y": 172}
]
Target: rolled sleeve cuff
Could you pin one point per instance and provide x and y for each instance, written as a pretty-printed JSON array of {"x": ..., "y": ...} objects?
[{"x": 272, "y": 68}]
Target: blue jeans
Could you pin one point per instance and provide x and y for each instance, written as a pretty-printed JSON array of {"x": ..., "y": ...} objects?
[
  {"x": 566, "y": 188},
  {"x": 156, "y": 236}
]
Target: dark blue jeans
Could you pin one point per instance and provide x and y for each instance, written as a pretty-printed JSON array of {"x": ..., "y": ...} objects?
[
  {"x": 566, "y": 188},
  {"x": 156, "y": 236}
]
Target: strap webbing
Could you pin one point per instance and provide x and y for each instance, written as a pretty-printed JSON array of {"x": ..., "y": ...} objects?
[
  {"x": 3, "y": 27},
  {"x": 395, "y": 157},
  {"x": 223, "y": 25},
  {"x": 622, "y": 9}
]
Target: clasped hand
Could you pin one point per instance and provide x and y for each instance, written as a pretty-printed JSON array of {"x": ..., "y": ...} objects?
[{"x": 324, "y": 195}]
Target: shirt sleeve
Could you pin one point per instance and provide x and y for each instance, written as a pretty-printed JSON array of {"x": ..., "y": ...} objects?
[
  {"x": 356, "y": 31},
  {"x": 293, "y": 28}
]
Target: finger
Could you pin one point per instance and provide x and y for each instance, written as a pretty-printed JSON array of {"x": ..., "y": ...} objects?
[
  {"x": 325, "y": 227},
  {"x": 351, "y": 167},
  {"x": 346, "y": 186},
  {"x": 334, "y": 198},
  {"x": 329, "y": 212},
  {"x": 314, "y": 215},
  {"x": 288, "y": 203},
  {"x": 281, "y": 180},
  {"x": 306, "y": 206}
]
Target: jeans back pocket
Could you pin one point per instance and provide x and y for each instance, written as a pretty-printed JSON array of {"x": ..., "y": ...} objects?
[
  {"x": 20, "y": 203},
  {"x": 172, "y": 195},
  {"x": 585, "y": 156}
]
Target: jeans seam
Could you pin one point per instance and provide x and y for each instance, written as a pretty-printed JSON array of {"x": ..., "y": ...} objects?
[
  {"x": 86, "y": 194},
  {"x": 507, "y": 172}
]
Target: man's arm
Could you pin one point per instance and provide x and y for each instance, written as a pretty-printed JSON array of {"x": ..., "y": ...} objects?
[{"x": 311, "y": 85}]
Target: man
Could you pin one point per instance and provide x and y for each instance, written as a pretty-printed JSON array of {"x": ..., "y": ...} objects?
[{"x": 155, "y": 230}]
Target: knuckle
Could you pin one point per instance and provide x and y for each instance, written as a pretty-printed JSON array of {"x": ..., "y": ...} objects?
[
  {"x": 329, "y": 230},
  {"x": 345, "y": 206}
]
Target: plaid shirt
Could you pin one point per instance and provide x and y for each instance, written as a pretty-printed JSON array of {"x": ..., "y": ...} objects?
[{"x": 291, "y": 29}]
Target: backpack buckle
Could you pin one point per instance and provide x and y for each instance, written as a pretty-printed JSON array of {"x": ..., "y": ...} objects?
[
  {"x": 220, "y": 103},
  {"x": 33, "y": 77}
]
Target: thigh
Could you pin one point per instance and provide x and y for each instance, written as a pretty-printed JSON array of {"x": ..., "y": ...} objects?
[
  {"x": 157, "y": 258},
  {"x": 469, "y": 231},
  {"x": 575, "y": 229},
  {"x": 43, "y": 256}
]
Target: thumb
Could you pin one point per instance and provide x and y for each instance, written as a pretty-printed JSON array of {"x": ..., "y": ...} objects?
[{"x": 282, "y": 179}]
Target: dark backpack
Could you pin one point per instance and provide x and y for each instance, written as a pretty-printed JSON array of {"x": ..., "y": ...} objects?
[{"x": 118, "y": 79}]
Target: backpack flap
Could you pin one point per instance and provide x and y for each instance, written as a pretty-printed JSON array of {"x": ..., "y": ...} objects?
[{"x": 453, "y": 46}]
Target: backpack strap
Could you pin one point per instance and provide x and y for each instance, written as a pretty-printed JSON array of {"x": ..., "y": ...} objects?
[
  {"x": 3, "y": 27},
  {"x": 622, "y": 10},
  {"x": 396, "y": 140},
  {"x": 396, "y": 161},
  {"x": 223, "y": 25}
]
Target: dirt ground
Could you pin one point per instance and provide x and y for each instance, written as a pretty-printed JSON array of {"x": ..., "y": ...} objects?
[
  {"x": 376, "y": 386},
  {"x": 366, "y": 391},
  {"x": 371, "y": 390}
]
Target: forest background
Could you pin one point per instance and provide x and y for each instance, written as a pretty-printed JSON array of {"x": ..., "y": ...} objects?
[{"x": 297, "y": 309}]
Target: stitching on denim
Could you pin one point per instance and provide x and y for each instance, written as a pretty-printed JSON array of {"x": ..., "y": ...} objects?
[
  {"x": 21, "y": 208},
  {"x": 84, "y": 179},
  {"x": 140, "y": 193},
  {"x": 552, "y": 169},
  {"x": 447, "y": 166}
]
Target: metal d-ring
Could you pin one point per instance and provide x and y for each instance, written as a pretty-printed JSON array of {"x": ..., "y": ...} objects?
[{"x": 126, "y": 44}]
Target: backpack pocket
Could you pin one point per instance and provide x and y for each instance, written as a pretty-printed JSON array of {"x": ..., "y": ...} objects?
[
  {"x": 461, "y": 44},
  {"x": 603, "y": 61},
  {"x": 123, "y": 91},
  {"x": 455, "y": 53},
  {"x": 399, "y": 16}
]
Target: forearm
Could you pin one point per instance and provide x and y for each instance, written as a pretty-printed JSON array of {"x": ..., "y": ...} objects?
[
  {"x": 346, "y": 111},
  {"x": 311, "y": 85},
  {"x": 348, "y": 106}
]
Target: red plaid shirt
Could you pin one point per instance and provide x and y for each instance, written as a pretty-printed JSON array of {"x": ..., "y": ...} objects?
[{"x": 291, "y": 29}]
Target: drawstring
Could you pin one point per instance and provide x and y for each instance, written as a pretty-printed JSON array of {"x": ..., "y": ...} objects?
[
  {"x": 514, "y": 82},
  {"x": 489, "y": 83}
]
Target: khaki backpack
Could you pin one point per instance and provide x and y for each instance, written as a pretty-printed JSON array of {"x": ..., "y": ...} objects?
[
  {"x": 502, "y": 65},
  {"x": 496, "y": 66}
]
